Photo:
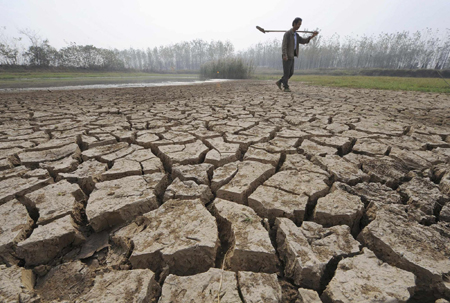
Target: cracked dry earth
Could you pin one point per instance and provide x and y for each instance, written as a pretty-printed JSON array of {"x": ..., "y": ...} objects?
[{"x": 232, "y": 192}]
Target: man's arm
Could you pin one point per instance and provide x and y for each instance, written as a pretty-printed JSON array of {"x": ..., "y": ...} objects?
[{"x": 306, "y": 40}]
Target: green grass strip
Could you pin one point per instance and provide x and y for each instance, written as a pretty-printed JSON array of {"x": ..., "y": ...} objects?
[{"x": 435, "y": 85}]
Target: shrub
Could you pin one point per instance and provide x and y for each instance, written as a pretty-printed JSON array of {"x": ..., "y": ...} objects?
[{"x": 229, "y": 68}]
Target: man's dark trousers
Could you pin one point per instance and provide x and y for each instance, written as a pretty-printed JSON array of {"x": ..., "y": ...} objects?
[{"x": 288, "y": 71}]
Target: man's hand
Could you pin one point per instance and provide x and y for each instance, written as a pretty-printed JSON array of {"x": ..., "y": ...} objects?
[
  {"x": 315, "y": 33},
  {"x": 285, "y": 57}
]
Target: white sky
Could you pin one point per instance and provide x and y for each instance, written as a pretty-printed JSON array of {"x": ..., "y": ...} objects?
[{"x": 149, "y": 23}]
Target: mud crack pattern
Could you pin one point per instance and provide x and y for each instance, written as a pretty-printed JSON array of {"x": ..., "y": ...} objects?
[{"x": 230, "y": 192}]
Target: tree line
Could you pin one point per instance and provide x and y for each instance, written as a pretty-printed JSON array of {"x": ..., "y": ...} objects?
[{"x": 403, "y": 50}]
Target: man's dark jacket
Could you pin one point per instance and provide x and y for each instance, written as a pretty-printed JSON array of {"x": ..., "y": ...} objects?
[{"x": 288, "y": 43}]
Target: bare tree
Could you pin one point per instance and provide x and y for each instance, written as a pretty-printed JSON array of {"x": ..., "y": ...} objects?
[{"x": 10, "y": 49}]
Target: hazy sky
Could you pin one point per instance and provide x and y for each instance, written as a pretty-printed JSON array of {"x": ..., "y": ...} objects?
[{"x": 150, "y": 23}]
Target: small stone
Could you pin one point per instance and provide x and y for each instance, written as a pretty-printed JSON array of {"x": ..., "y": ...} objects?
[
  {"x": 93, "y": 244},
  {"x": 149, "y": 162},
  {"x": 264, "y": 130}
]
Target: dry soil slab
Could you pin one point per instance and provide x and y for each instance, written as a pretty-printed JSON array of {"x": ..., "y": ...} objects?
[
  {"x": 250, "y": 248},
  {"x": 222, "y": 285},
  {"x": 16, "y": 225},
  {"x": 47, "y": 241},
  {"x": 137, "y": 286},
  {"x": 422, "y": 250},
  {"x": 181, "y": 237},
  {"x": 115, "y": 202},
  {"x": 308, "y": 250},
  {"x": 364, "y": 278}
]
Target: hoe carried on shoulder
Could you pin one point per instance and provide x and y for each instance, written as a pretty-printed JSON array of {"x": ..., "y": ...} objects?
[{"x": 278, "y": 31}]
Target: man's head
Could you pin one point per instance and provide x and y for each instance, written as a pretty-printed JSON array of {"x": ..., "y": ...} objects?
[{"x": 296, "y": 23}]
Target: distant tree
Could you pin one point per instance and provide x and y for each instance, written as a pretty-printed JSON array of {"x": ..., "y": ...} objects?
[
  {"x": 111, "y": 60},
  {"x": 8, "y": 55},
  {"x": 9, "y": 49},
  {"x": 40, "y": 53},
  {"x": 150, "y": 60}
]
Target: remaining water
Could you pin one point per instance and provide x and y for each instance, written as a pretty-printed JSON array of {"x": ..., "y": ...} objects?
[{"x": 151, "y": 83}]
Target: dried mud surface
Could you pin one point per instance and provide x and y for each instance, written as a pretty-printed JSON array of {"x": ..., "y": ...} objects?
[{"x": 230, "y": 192}]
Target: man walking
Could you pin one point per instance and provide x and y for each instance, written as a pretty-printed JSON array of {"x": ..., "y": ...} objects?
[{"x": 290, "y": 49}]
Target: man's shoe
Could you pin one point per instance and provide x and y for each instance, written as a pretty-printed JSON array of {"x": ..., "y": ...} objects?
[
  {"x": 278, "y": 83},
  {"x": 287, "y": 90}
]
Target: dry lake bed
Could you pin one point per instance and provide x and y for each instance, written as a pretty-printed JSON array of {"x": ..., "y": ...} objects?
[{"x": 224, "y": 192}]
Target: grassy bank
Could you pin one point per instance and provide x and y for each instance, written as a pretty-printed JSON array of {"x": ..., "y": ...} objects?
[
  {"x": 22, "y": 79},
  {"x": 415, "y": 73},
  {"x": 435, "y": 85}
]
